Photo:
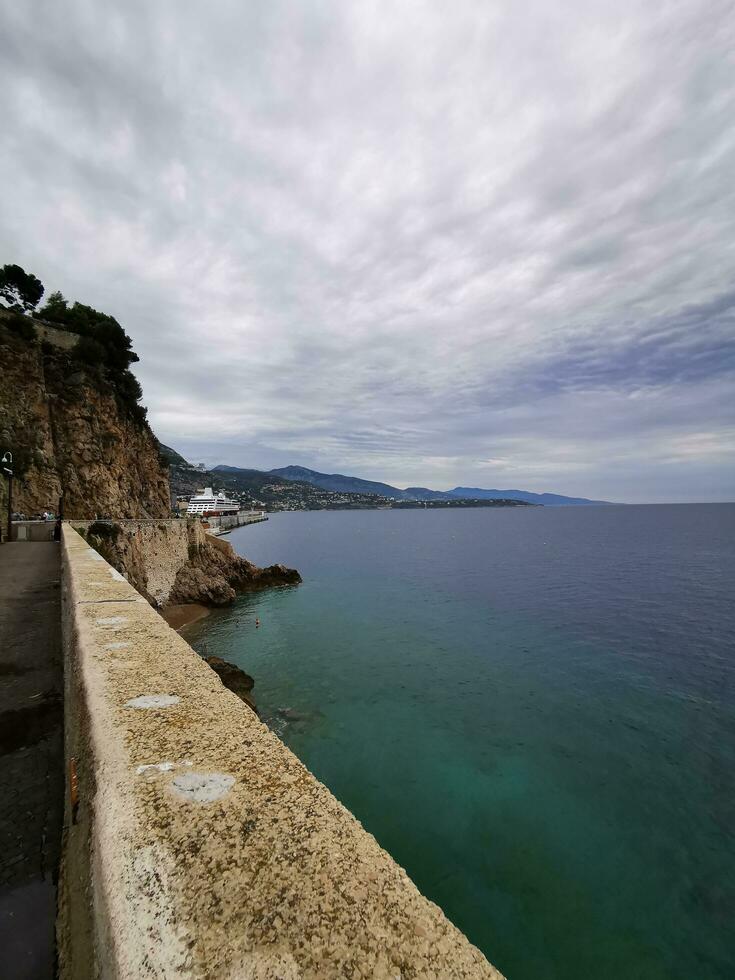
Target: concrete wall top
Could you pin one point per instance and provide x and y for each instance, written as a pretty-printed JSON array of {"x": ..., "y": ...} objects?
[{"x": 213, "y": 851}]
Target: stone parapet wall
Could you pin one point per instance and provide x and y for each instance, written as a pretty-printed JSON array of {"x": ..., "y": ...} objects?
[{"x": 196, "y": 844}]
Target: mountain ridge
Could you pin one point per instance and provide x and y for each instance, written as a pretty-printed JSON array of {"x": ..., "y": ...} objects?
[
  {"x": 350, "y": 484},
  {"x": 340, "y": 482}
]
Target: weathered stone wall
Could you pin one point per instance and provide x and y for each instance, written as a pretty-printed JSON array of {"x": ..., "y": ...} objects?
[
  {"x": 196, "y": 844},
  {"x": 149, "y": 554},
  {"x": 52, "y": 335},
  {"x": 68, "y": 434}
]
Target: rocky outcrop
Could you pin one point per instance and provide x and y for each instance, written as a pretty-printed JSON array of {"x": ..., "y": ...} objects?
[
  {"x": 69, "y": 434},
  {"x": 234, "y": 679},
  {"x": 214, "y": 574},
  {"x": 176, "y": 562}
]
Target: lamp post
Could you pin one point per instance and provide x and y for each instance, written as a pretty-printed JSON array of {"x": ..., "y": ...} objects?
[{"x": 7, "y": 462}]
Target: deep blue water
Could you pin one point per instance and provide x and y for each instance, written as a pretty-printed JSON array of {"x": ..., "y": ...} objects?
[{"x": 532, "y": 709}]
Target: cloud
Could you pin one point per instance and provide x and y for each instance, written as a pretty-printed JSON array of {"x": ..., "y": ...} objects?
[{"x": 427, "y": 247}]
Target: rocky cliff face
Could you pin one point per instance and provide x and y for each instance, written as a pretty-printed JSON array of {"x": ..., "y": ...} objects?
[{"x": 71, "y": 436}]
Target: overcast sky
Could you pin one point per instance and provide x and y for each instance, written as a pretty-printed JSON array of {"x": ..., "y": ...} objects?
[{"x": 479, "y": 243}]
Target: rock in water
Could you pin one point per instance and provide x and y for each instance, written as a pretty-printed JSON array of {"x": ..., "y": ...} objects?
[
  {"x": 291, "y": 714},
  {"x": 234, "y": 679}
]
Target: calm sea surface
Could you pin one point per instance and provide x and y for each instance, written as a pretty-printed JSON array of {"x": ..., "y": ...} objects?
[{"x": 533, "y": 710}]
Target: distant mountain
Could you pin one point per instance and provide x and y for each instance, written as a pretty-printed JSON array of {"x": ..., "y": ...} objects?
[
  {"x": 547, "y": 499},
  {"x": 299, "y": 488},
  {"x": 342, "y": 484},
  {"x": 239, "y": 477},
  {"x": 282, "y": 493},
  {"x": 353, "y": 484}
]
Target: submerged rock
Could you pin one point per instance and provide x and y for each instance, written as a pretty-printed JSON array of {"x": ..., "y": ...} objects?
[
  {"x": 291, "y": 714},
  {"x": 235, "y": 679}
]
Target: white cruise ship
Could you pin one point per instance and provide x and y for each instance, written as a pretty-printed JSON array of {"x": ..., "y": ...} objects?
[{"x": 209, "y": 504}]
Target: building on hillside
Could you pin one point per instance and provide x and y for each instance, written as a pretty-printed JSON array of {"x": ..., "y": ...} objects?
[{"x": 209, "y": 504}]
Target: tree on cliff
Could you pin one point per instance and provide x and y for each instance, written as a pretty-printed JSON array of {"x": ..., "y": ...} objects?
[
  {"x": 55, "y": 307},
  {"x": 103, "y": 346},
  {"x": 20, "y": 289}
]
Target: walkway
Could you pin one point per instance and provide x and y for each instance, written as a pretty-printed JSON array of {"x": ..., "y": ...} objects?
[{"x": 31, "y": 757}]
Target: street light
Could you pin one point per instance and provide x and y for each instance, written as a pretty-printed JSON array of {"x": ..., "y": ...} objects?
[{"x": 7, "y": 462}]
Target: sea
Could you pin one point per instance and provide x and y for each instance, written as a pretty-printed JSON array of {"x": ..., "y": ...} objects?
[{"x": 532, "y": 709}]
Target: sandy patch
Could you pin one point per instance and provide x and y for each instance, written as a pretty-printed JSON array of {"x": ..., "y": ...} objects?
[{"x": 180, "y": 616}]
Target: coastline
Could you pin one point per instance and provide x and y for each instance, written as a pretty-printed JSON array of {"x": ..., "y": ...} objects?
[{"x": 184, "y": 614}]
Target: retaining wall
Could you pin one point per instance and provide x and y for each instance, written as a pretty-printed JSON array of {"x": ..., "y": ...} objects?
[
  {"x": 196, "y": 844},
  {"x": 152, "y": 552}
]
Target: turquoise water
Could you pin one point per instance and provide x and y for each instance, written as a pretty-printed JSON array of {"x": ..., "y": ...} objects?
[{"x": 532, "y": 710}]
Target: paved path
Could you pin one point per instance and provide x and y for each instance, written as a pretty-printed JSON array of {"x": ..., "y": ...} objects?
[{"x": 31, "y": 757}]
